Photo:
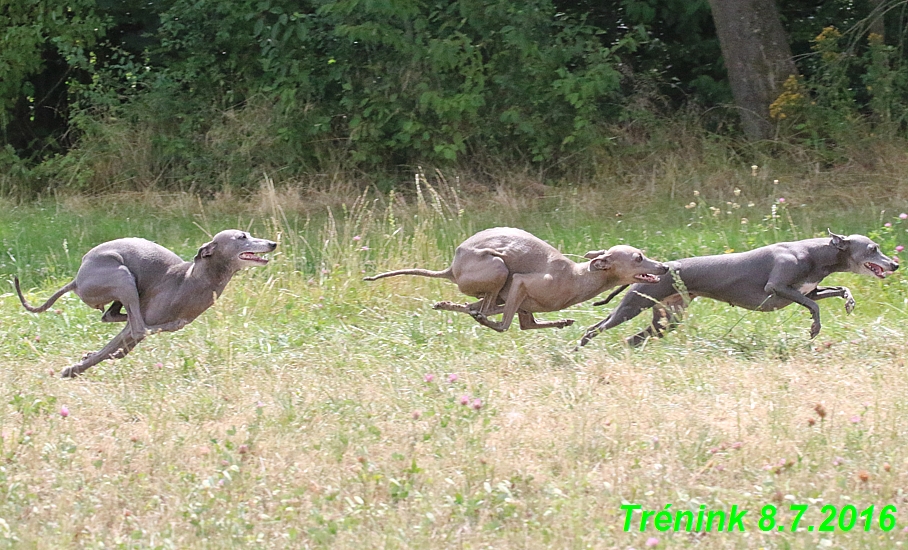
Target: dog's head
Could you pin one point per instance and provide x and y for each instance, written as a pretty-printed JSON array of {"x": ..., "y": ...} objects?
[
  {"x": 627, "y": 263},
  {"x": 864, "y": 255},
  {"x": 238, "y": 248}
]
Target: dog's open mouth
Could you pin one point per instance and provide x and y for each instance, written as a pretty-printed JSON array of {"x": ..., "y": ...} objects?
[
  {"x": 876, "y": 270},
  {"x": 253, "y": 257},
  {"x": 646, "y": 278}
]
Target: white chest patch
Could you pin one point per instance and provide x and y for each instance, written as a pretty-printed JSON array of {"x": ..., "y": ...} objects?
[
  {"x": 807, "y": 288},
  {"x": 548, "y": 278}
]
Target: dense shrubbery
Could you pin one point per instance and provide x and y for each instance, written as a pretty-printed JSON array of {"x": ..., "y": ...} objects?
[
  {"x": 375, "y": 84},
  {"x": 846, "y": 96},
  {"x": 45, "y": 47},
  {"x": 205, "y": 94}
]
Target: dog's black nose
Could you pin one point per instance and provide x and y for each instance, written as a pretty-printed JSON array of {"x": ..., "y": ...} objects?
[
  {"x": 895, "y": 265},
  {"x": 272, "y": 245}
]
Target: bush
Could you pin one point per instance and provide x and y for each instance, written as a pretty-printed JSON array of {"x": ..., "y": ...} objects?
[
  {"x": 379, "y": 84},
  {"x": 845, "y": 96}
]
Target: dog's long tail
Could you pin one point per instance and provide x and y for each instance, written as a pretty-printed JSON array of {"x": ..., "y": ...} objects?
[
  {"x": 50, "y": 301},
  {"x": 444, "y": 274}
]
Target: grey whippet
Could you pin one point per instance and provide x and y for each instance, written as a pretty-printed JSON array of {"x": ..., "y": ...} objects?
[
  {"x": 514, "y": 272},
  {"x": 763, "y": 279},
  {"x": 161, "y": 292}
]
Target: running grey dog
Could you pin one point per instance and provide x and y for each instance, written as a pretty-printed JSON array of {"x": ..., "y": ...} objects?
[
  {"x": 515, "y": 272},
  {"x": 763, "y": 279},
  {"x": 161, "y": 292}
]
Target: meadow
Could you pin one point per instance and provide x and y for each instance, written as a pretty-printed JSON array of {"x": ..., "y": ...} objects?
[{"x": 308, "y": 408}]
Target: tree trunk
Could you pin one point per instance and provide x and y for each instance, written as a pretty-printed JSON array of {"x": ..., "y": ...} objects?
[{"x": 757, "y": 56}]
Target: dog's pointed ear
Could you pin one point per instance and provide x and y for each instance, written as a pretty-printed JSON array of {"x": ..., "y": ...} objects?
[
  {"x": 206, "y": 250},
  {"x": 602, "y": 262},
  {"x": 838, "y": 241},
  {"x": 593, "y": 254}
]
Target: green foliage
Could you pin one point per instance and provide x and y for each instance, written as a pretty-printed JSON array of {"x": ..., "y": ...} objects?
[
  {"x": 200, "y": 94},
  {"x": 373, "y": 84},
  {"x": 32, "y": 32},
  {"x": 886, "y": 81},
  {"x": 682, "y": 49},
  {"x": 47, "y": 49},
  {"x": 845, "y": 95}
]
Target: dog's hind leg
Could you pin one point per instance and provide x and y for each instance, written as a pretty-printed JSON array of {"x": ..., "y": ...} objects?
[
  {"x": 479, "y": 273},
  {"x": 121, "y": 345},
  {"x": 517, "y": 293},
  {"x": 666, "y": 316},
  {"x": 106, "y": 281},
  {"x": 473, "y": 310},
  {"x": 114, "y": 313},
  {"x": 633, "y": 304},
  {"x": 469, "y": 309}
]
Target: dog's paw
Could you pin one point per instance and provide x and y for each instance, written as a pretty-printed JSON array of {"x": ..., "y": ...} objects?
[
  {"x": 585, "y": 339},
  {"x": 814, "y": 330},
  {"x": 69, "y": 372},
  {"x": 565, "y": 323},
  {"x": 849, "y": 302},
  {"x": 480, "y": 317}
]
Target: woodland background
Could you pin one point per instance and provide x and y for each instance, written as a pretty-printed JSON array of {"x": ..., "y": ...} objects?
[{"x": 207, "y": 95}]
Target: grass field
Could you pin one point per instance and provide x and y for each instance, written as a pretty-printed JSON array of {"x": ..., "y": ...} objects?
[{"x": 311, "y": 409}]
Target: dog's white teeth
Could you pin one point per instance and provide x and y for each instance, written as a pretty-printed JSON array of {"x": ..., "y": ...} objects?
[{"x": 253, "y": 257}]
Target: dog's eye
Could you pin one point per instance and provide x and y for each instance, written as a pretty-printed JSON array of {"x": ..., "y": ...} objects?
[
  {"x": 242, "y": 236},
  {"x": 638, "y": 257}
]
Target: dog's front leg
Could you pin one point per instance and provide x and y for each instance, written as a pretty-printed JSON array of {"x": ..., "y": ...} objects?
[
  {"x": 789, "y": 293},
  {"x": 833, "y": 292}
]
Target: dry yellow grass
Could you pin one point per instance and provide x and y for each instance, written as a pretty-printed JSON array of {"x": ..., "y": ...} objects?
[{"x": 208, "y": 439}]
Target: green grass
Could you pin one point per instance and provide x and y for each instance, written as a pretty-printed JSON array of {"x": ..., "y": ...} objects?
[{"x": 311, "y": 409}]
